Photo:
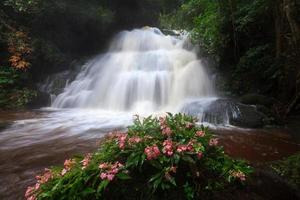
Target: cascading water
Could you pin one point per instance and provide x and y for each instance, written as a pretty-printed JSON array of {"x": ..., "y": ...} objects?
[{"x": 143, "y": 71}]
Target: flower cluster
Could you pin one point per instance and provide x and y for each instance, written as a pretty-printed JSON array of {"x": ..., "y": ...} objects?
[
  {"x": 30, "y": 192},
  {"x": 122, "y": 140},
  {"x": 85, "y": 162},
  {"x": 185, "y": 147},
  {"x": 213, "y": 142},
  {"x": 164, "y": 127},
  {"x": 67, "y": 166},
  {"x": 168, "y": 147},
  {"x": 109, "y": 170},
  {"x": 152, "y": 152},
  {"x": 134, "y": 140},
  {"x": 200, "y": 133},
  {"x": 189, "y": 125},
  {"x": 238, "y": 174}
]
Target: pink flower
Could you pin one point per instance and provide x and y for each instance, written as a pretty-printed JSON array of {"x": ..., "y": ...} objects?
[
  {"x": 103, "y": 176},
  {"x": 190, "y": 145},
  {"x": 168, "y": 147},
  {"x": 110, "y": 177},
  {"x": 32, "y": 198},
  {"x": 63, "y": 172},
  {"x": 213, "y": 142},
  {"x": 119, "y": 164},
  {"x": 85, "y": 162},
  {"x": 156, "y": 150},
  {"x": 238, "y": 174},
  {"x": 164, "y": 127},
  {"x": 173, "y": 169},
  {"x": 181, "y": 148},
  {"x": 37, "y": 186},
  {"x": 110, "y": 170},
  {"x": 68, "y": 164},
  {"x": 103, "y": 166},
  {"x": 200, "y": 133},
  {"x": 199, "y": 155},
  {"x": 152, "y": 152},
  {"x": 189, "y": 125},
  {"x": 45, "y": 177},
  {"x": 167, "y": 131},
  {"x": 29, "y": 192},
  {"x": 134, "y": 140},
  {"x": 122, "y": 141},
  {"x": 115, "y": 171},
  {"x": 162, "y": 121}
]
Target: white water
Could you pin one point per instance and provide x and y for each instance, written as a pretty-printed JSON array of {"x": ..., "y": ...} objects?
[{"x": 144, "y": 71}]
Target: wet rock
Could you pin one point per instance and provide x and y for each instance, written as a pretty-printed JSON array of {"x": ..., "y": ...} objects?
[
  {"x": 248, "y": 117},
  {"x": 226, "y": 112}
]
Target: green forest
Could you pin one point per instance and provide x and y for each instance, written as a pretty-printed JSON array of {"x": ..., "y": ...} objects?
[
  {"x": 230, "y": 69},
  {"x": 255, "y": 44}
]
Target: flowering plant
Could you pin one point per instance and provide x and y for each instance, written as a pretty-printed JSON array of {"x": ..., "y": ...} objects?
[{"x": 156, "y": 157}]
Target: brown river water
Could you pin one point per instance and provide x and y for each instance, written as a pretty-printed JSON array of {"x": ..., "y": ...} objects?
[{"x": 33, "y": 140}]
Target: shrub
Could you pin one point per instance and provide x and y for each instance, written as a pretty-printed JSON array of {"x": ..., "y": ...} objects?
[{"x": 156, "y": 158}]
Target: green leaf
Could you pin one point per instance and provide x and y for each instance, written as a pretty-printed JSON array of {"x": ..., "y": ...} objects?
[
  {"x": 123, "y": 176},
  {"x": 102, "y": 186},
  {"x": 156, "y": 164},
  {"x": 156, "y": 176},
  {"x": 88, "y": 191},
  {"x": 188, "y": 159}
]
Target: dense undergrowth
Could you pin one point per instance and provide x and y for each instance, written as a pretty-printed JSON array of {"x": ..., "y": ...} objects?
[
  {"x": 14, "y": 92},
  {"x": 289, "y": 168},
  {"x": 255, "y": 43},
  {"x": 163, "y": 158}
]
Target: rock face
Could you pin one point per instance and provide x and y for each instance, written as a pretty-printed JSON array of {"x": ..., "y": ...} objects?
[
  {"x": 226, "y": 112},
  {"x": 248, "y": 117}
]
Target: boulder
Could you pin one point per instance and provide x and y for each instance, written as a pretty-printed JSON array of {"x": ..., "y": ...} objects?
[{"x": 226, "y": 112}]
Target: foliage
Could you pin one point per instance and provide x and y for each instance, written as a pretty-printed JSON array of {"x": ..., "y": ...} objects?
[
  {"x": 20, "y": 50},
  {"x": 37, "y": 38},
  {"x": 202, "y": 18},
  {"x": 255, "y": 63},
  {"x": 8, "y": 77},
  {"x": 154, "y": 158},
  {"x": 23, "y": 5},
  {"x": 289, "y": 168},
  {"x": 13, "y": 93},
  {"x": 256, "y": 42}
]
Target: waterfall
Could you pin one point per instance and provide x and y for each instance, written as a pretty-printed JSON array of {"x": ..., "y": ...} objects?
[{"x": 143, "y": 70}]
